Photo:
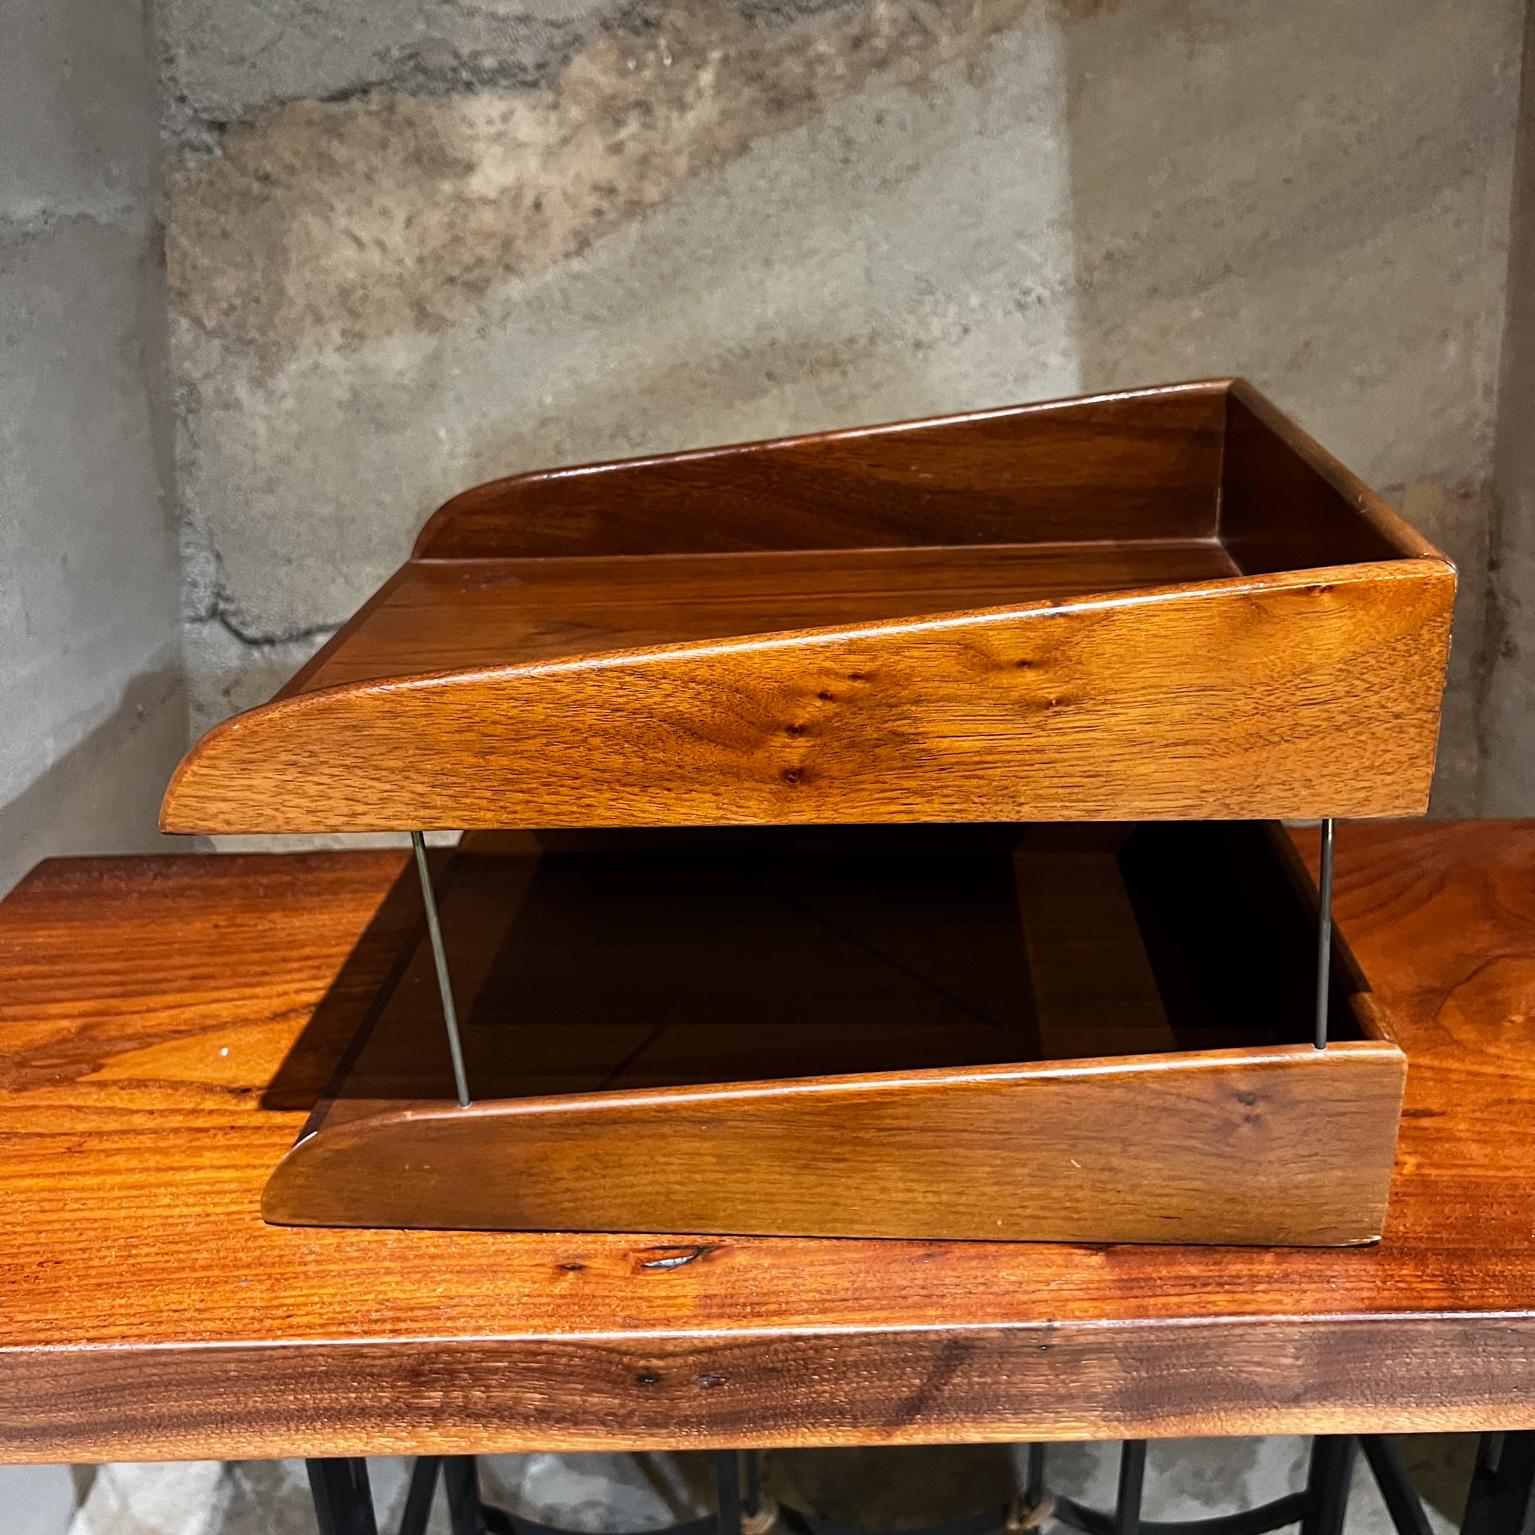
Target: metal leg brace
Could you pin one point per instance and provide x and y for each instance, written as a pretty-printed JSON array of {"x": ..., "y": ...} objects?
[
  {"x": 1324, "y": 936},
  {"x": 343, "y": 1499},
  {"x": 1501, "y": 1500},
  {"x": 1502, "y": 1496},
  {"x": 440, "y": 955}
]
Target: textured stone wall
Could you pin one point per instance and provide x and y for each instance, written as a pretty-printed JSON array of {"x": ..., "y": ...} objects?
[
  {"x": 92, "y": 713},
  {"x": 1508, "y": 717},
  {"x": 416, "y": 243}
]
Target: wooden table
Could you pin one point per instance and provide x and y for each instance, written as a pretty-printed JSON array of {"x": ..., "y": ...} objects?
[{"x": 166, "y": 1022}]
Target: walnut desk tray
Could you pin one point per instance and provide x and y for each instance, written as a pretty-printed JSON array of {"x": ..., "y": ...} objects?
[
  {"x": 1166, "y": 604},
  {"x": 800, "y": 946}
]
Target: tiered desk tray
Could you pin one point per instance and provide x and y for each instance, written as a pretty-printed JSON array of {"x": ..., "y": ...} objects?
[{"x": 763, "y": 924}]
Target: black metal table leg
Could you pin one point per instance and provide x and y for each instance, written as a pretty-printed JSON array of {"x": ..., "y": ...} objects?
[
  {"x": 1034, "y": 1477},
  {"x": 1327, "y": 1484},
  {"x": 1132, "y": 1484},
  {"x": 1502, "y": 1496},
  {"x": 751, "y": 1493},
  {"x": 1402, "y": 1502},
  {"x": 461, "y": 1482},
  {"x": 418, "y": 1500},
  {"x": 343, "y": 1499},
  {"x": 727, "y": 1493}
]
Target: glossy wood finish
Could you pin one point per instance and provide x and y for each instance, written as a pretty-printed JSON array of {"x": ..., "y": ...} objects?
[
  {"x": 1283, "y": 498},
  {"x": 154, "y": 1014},
  {"x": 1289, "y": 1146},
  {"x": 967, "y": 718},
  {"x": 1069, "y": 611},
  {"x": 856, "y": 1036},
  {"x": 481, "y": 614},
  {"x": 1143, "y": 463}
]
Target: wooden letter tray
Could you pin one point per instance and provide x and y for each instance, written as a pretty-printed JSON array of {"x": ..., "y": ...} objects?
[{"x": 797, "y": 947}]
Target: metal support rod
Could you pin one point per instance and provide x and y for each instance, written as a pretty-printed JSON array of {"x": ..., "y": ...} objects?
[
  {"x": 439, "y": 954},
  {"x": 1327, "y": 1484},
  {"x": 419, "y": 1496},
  {"x": 343, "y": 1499},
  {"x": 1273, "y": 1515},
  {"x": 1502, "y": 1496},
  {"x": 1034, "y": 1482},
  {"x": 461, "y": 1482},
  {"x": 1324, "y": 936},
  {"x": 1402, "y": 1502},
  {"x": 727, "y": 1488},
  {"x": 751, "y": 1489},
  {"x": 1132, "y": 1482}
]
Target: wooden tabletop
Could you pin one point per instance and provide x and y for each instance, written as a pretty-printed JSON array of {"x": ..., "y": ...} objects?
[{"x": 165, "y": 1024}]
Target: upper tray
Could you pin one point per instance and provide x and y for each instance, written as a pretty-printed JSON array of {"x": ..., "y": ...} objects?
[{"x": 1164, "y": 603}]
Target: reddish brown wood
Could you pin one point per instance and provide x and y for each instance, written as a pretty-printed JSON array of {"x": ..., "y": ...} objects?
[
  {"x": 1038, "y": 613},
  {"x": 1286, "y": 501},
  {"x": 1289, "y": 1145},
  {"x": 973, "y": 717},
  {"x": 857, "y": 1041},
  {"x": 1141, "y": 463},
  {"x": 482, "y": 614},
  {"x": 148, "y": 1311}
]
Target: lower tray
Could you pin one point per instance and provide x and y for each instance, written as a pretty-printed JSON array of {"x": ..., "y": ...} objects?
[{"x": 1064, "y": 1033}]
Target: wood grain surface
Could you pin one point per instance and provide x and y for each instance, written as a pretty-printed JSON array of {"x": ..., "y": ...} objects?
[
  {"x": 1267, "y": 700},
  {"x": 1161, "y": 604},
  {"x": 1142, "y": 463},
  {"x": 841, "y": 1038},
  {"x": 153, "y": 1010},
  {"x": 475, "y": 615},
  {"x": 1287, "y": 1145}
]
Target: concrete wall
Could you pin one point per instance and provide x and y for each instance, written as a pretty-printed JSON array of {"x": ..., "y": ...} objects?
[
  {"x": 413, "y": 245},
  {"x": 90, "y": 676},
  {"x": 1508, "y": 716},
  {"x": 38, "y": 1500}
]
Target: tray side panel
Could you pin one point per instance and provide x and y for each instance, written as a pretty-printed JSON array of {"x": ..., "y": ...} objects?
[
  {"x": 1287, "y": 1146},
  {"x": 1316, "y": 695},
  {"x": 1139, "y": 464},
  {"x": 1287, "y": 503}
]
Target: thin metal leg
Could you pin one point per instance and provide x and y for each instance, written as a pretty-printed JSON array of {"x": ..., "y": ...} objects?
[
  {"x": 461, "y": 1482},
  {"x": 418, "y": 1500},
  {"x": 1327, "y": 1484},
  {"x": 1034, "y": 1479},
  {"x": 1402, "y": 1502},
  {"x": 343, "y": 1500},
  {"x": 727, "y": 1488},
  {"x": 439, "y": 954},
  {"x": 1502, "y": 1496},
  {"x": 751, "y": 1496},
  {"x": 1324, "y": 936},
  {"x": 1132, "y": 1482}
]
